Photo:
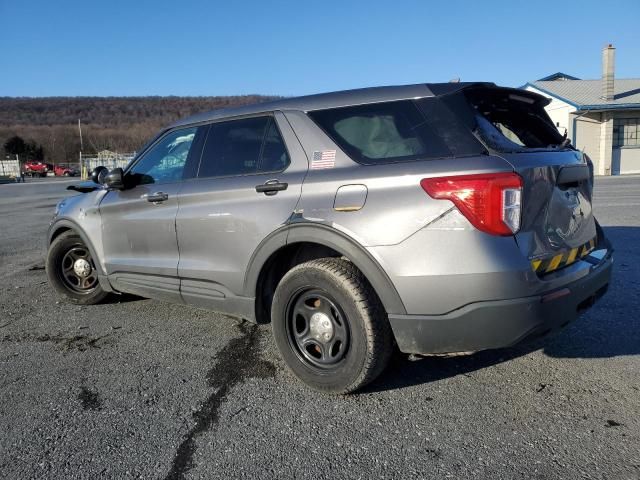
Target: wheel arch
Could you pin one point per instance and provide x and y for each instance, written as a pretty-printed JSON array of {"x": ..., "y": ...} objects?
[
  {"x": 65, "y": 225},
  {"x": 326, "y": 241}
]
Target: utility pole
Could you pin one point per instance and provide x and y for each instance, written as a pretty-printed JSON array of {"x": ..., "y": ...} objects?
[
  {"x": 80, "y": 158},
  {"x": 80, "y": 130}
]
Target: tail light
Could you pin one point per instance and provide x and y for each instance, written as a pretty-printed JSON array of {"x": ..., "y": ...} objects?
[{"x": 490, "y": 201}]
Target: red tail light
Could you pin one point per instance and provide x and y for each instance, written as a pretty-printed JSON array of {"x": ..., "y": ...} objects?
[{"x": 490, "y": 201}]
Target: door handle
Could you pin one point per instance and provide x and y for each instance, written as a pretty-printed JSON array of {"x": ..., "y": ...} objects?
[
  {"x": 156, "y": 197},
  {"x": 271, "y": 187}
]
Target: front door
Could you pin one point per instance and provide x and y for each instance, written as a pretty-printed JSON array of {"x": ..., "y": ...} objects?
[
  {"x": 247, "y": 185},
  {"x": 139, "y": 232}
]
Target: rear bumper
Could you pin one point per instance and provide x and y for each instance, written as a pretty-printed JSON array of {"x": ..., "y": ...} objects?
[{"x": 502, "y": 323}]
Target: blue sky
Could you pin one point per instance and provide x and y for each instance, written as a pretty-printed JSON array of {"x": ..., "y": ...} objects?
[{"x": 115, "y": 47}]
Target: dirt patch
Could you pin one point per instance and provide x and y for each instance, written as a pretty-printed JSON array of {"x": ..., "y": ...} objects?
[{"x": 90, "y": 400}]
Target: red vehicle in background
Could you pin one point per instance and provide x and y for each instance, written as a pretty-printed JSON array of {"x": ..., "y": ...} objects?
[
  {"x": 64, "y": 171},
  {"x": 35, "y": 168}
]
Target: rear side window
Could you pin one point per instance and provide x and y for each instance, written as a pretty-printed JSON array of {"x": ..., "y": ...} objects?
[
  {"x": 243, "y": 147},
  {"x": 381, "y": 132},
  {"x": 398, "y": 131}
]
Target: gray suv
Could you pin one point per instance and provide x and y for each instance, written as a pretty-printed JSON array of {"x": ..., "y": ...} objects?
[{"x": 437, "y": 218}]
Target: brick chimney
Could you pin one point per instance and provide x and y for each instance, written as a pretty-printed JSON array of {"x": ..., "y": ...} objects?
[{"x": 608, "y": 71}]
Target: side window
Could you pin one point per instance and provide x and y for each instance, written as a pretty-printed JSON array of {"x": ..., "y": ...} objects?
[
  {"x": 165, "y": 161},
  {"x": 274, "y": 152},
  {"x": 381, "y": 132},
  {"x": 243, "y": 147}
]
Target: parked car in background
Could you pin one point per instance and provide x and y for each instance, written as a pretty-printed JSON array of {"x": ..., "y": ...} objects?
[
  {"x": 35, "y": 168},
  {"x": 63, "y": 170},
  {"x": 438, "y": 218}
]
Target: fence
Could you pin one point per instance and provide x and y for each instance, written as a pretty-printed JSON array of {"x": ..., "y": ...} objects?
[
  {"x": 9, "y": 168},
  {"x": 106, "y": 159}
]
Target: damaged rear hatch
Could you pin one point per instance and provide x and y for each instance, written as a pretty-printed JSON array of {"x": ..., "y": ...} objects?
[{"x": 557, "y": 224}]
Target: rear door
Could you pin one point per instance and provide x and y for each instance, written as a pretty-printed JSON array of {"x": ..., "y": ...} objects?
[{"x": 247, "y": 185}]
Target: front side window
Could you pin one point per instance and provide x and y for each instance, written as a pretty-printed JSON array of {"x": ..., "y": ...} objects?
[
  {"x": 164, "y": 162},
  {"x": 243, "y": 147}
]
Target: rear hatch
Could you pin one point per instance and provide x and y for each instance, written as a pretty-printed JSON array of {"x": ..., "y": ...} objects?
[
  {"x": 557, "y": 223},
  {"x": 557, "y": 226}
]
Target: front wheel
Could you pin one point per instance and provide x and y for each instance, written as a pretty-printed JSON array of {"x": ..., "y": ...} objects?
[
  {"x": 330, "y": 327},
  {"x": 72, "y": 272}
]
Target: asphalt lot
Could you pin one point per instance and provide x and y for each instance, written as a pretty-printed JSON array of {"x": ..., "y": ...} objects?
[{"x": 139, "y": 388}]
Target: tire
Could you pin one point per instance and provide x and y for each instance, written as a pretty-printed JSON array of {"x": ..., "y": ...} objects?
[
  {"x": 63, "y": 255},
  {"x": 66, "y": 174},
  {"x": 355, "y": 343}
]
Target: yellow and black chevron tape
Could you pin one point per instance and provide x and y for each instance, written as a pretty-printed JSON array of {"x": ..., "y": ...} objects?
[{"x": 546, "y": 265}]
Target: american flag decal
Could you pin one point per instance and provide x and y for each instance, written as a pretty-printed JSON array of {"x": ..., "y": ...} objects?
[{"x": 323, "y": 159}]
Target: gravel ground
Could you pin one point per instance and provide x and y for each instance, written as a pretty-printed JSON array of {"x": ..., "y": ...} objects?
[{"x": 138, "y": 388}]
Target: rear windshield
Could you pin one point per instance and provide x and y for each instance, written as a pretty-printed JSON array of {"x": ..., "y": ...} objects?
[
  {"x": 396, "y": 131},
  {"x": 510, "y": 122}
]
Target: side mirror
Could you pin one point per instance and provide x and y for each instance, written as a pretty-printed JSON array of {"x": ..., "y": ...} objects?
[
  {"x": 98, "y": 174},
  {"x": 114, "y": 179}
]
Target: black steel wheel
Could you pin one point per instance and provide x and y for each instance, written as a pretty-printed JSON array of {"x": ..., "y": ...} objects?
[
  {"x": 330, "y": 326},
  {"x": 72, "y": 271},
  {"x": 78, "y": 270},
  {"x": 318, "y": 329}
]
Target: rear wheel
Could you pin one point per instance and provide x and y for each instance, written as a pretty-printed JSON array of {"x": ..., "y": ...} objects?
[
  {"x": 330, "y": 326},
  {"x": 72, "y": 272}
]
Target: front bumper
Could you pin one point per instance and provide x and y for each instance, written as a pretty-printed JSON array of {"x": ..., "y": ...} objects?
[{"x": 502, "y": 323}]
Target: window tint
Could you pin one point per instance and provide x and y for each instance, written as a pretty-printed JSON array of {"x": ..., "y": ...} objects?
[
  {"x": 382, "y": 132},
  {"x": 274, "y": 153},
  {"x": 243, "y": 147},
  {"x": 165, "y": 161}
]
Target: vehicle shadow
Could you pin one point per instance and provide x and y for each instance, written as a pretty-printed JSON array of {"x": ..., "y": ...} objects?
[
  {"x": 122, "y": 298},
  {"x": 611, "y": 328}
]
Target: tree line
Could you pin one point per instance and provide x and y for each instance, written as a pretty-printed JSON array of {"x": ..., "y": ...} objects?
[{"x": 47, "y": 128}]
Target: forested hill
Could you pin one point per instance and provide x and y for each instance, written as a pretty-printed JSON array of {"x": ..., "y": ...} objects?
[
  {"x": 115, "y": 123},
  {"x": 110, "y": 111}
]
